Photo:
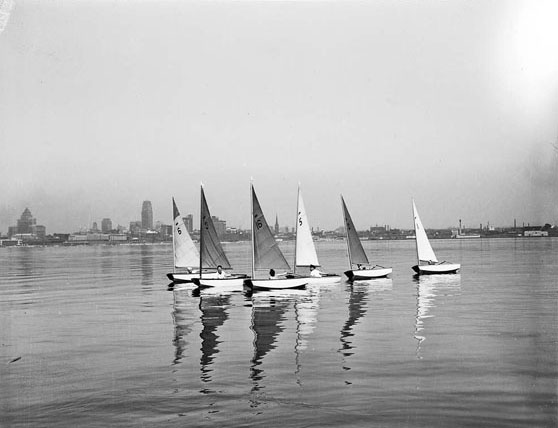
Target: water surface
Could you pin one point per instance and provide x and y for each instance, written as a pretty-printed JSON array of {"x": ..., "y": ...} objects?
[{"x": 92, "y": 336}]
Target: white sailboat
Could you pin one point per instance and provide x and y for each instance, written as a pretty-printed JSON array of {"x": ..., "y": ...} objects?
[
  {"x": 357, "y": 256},
  {"x": 186, "y": 255},
  {"x": 305, "y": 251},
  {"x": 428, "y": 264},
  {"x": 266, "y": 254},
  {"x": 212, "y": 255}
]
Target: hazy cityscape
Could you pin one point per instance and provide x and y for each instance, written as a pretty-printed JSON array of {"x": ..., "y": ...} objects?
[{"x": 28, "y": 232}]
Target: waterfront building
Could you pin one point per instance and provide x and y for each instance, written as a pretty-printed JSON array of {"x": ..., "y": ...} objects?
[
  {"x": 106, "y": 225},
  {"x": 220, "y": 226},
  {"x": 146, "y": 216},
  {"x": 189, "y": 223},
  {"x": 27, "y": 228},
  {"x": 135, "y": 227},
  {"x": 26, "y": 222}
]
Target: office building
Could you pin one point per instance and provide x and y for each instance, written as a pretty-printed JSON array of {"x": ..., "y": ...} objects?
[
  {"x": 189, "y": 223},
  {"x": 146, "y": 216},
  {"x": 106, "y": 225}
]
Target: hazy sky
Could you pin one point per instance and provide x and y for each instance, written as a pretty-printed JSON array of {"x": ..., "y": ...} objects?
[{"x": 104, "y": 104}]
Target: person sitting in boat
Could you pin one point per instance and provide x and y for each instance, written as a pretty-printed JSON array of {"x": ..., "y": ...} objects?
[
  {"x": 273, "y": 275},
  {"x": 315, "y": 273},
  {"x": 221, "y": 273}
]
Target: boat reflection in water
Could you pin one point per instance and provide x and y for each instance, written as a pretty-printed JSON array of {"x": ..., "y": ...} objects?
[
  {"x": 213, "y": 307},
  {"x": 428, "y": 288},
  {"x": 270, "y": 314},
  {"x": 184, "y": 316},
  {"x": 358, "y": 300}
]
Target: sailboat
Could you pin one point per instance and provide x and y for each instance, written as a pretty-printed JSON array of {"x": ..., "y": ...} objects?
[
  {"x": 357, "y": 256},
  {"x": 428, "y": 264},
  {"x": 266, "y": 254},
  {"x": 305, "y": 251},
  {"x": 186, "y": 255},
  {"x": 212, "y": 254}
]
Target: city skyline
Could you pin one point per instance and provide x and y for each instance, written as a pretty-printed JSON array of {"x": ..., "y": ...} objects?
[
  {"x": 27, "y": 224},
  {"x": 453, "y": 104}
]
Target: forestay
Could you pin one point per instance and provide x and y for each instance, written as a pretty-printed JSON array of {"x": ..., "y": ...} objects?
[
  {"x": 266, "y": 251},
  {"x": 185, "y": 252},
  {"x": 305, "y": 252},
  {"x": 356, "y": 252},
  {"x": 212, "y": 253},
  {"x": 424, "y": 249}
]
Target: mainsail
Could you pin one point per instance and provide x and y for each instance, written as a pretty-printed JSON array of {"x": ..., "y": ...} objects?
[
  {"x": 266, "y": 251},
  {"x": 424, "y": 249},
  {"x": 356, "y": 252},
  {"x": 305, "y": 252},
  {"x": 185, "y": 252},
  {"x": 212, "y": 253}
]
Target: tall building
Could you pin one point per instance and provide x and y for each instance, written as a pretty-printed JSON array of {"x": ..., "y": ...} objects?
[
  {"x": 276, "y": 224},
  {"x": 189, "y": 223},
  {"x": 220, "y": 226},
  {"x": 146, "y": 216},
  {"x": 26, "y": 222},
  {"x": 106, "y": 225}
]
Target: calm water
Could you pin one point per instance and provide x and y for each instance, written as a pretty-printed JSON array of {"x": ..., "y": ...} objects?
[{"x": 101, "y": 341}]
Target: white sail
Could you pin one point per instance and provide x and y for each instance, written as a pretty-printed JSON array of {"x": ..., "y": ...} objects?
[
  {"x": 185, "y": 252},
  {"x": 424, "y": 249},
  {"x": 305, "y": 252}
]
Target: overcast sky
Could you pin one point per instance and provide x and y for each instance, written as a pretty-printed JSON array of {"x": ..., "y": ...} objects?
[{"x": 104, "y": 104}]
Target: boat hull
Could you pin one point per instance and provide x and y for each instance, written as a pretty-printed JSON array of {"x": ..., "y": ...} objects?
[
  {"x": 234, "y": 281},
  {"x": 327, "y": 278},
  {"x": 437, "y": 269},
  {"x": 275, "y": 284},
  {"x": 178, "y": 278},
  {"x": 366, "y": 274}
]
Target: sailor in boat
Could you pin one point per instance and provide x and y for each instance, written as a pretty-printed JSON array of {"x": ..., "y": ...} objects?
[
  {"x": 221, "y": 273},
  {"x": 315, "y": 273},
  {"x": 273, "y": 275}
]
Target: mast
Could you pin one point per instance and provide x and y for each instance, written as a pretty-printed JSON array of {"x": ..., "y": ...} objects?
[
  {"x": 201, "y": 231},
  {"x": 252, "y": 226},
  {"x": 415, "y": 226},
  {"x": 296, "y": 230},
  {"x": 173, "y": 243},
  {"x": 346, "y": 232}
]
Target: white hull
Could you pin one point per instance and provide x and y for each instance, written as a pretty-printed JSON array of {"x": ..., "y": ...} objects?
[
  {"x": 275, "y": 284},
  {"x": 236, "y": 282},
  {"x": 437, "y": 269},
  {"x": 188, "y": 277},
  {"x": 366, "y": 274},
  {"x": 328, "y": 279}
]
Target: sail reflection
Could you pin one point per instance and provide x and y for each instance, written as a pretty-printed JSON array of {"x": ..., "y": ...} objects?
[
  {"x": 269, "y": 314},
  {"x": 358, "y": 298},
  {"x": 184, "y": 316},
  {"x": 213, "y": 309},
  {"x": 428, "y": 288}
]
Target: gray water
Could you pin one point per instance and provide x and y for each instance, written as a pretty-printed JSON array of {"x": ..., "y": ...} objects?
[{"x": 92, "y": 336}]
